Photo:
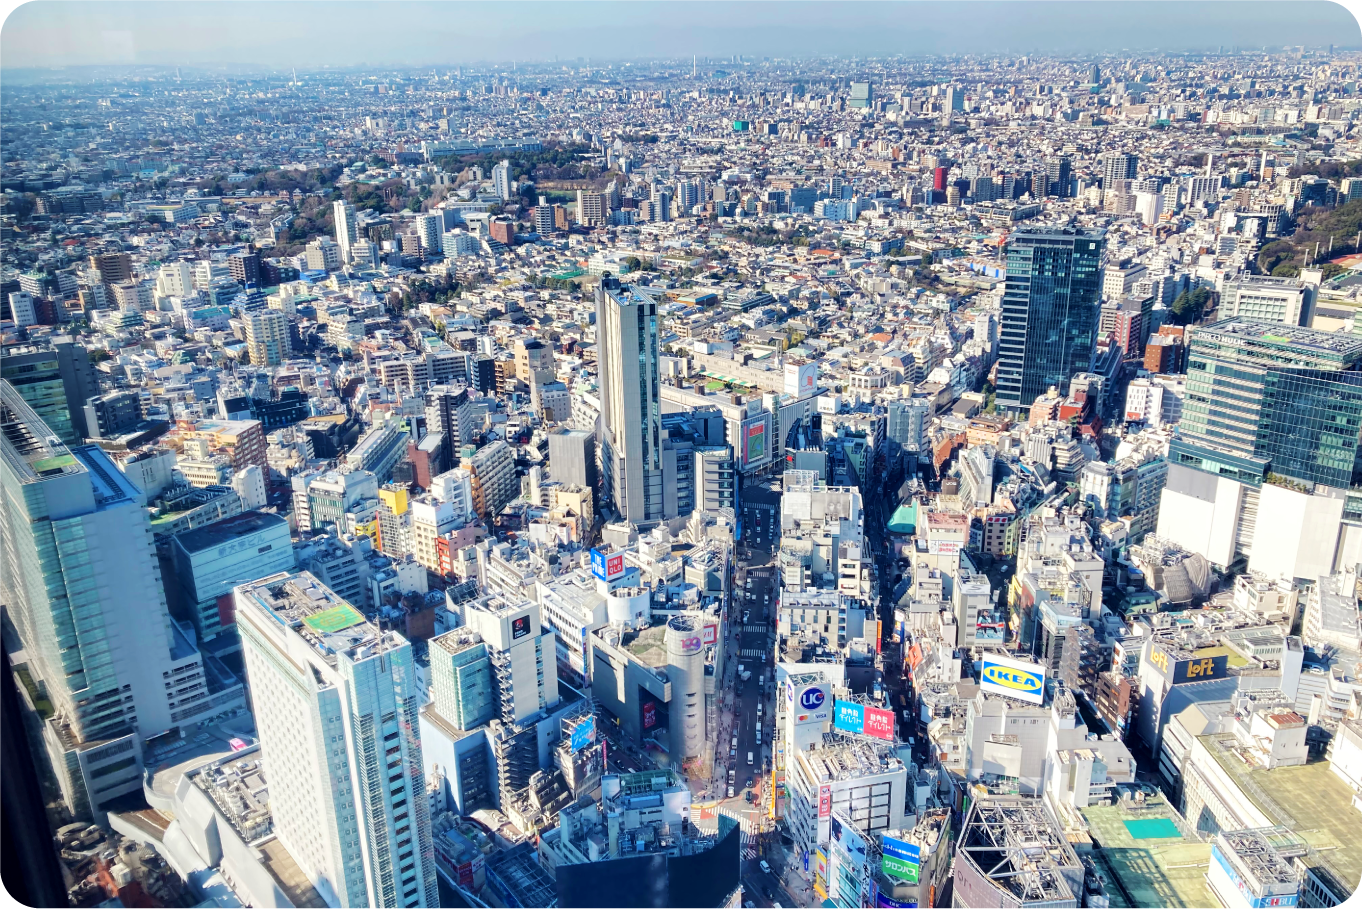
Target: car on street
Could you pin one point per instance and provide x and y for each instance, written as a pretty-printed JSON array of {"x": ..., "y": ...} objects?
[{"x": 765, "y": 867}]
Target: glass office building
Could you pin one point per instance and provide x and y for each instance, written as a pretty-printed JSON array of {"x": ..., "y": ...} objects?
[
  {"x": 1276, "y": 399},
  {"x": 1051, "y": 303}
]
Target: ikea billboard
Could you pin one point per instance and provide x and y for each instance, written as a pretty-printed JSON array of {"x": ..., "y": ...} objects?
[{"x": 1011, "y": 678}]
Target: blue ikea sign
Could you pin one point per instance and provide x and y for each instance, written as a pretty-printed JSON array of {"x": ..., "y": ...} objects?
[{"x": 1013, "y": 678}]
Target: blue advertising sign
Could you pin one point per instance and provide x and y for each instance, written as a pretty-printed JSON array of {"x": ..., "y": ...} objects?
[
  {"x": 885, "y": 902},
  {"x": 909, "y": 852},
  {"x": 806, "y": 860},
  {"x": 849, "y": 716},
  {"x": 583, "y": 734}
]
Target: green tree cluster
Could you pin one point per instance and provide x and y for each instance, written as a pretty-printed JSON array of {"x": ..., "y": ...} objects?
[{"x": 1190, "y": 306}]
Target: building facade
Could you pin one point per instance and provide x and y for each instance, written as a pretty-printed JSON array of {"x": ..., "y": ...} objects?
[{"x": 1050, "y": 312}]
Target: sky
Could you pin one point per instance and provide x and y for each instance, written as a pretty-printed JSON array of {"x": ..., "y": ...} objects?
[{"x": 316, "y": 33}]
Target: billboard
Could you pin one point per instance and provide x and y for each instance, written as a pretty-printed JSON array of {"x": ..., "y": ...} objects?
[
  {"x": 824, "y": 802},
  {"x": 1017, "y": 679},
  {"x": 879, "y": 724},
  {"x": 987, "y": 631},
  {"x": 811, "y": 703},
  {"x": 520, "y": 627},
  {"x": 756, "y": 440},
  {"x": 914, "y": 658},
  {"x": 900, "y": 859},
  {"x": 1196, "y": 669},
  {"x": 607, "y": 566},
  {"x": 858, "y": 719},
  {"x": 800, "y": 378},
  {"x": 885, "y": 902},
  {"x": 587, "y": 767},
  {"x": 711, "y": 634},
  {"x": 649, "y": 714},
  {"x": 850, "y": 839},
  {"x": 583, "y": 734}
]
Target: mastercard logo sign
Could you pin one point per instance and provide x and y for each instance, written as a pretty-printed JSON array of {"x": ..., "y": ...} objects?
[{"x": 1025, "y": 682}]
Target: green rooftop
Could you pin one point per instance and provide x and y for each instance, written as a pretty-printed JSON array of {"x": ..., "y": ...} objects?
[
  {"x": 904, "y": 519},
  {"x": 337, "y": 618},
  {"x": 1311, "y": 801},
  {"x": 1151, "y": 870}
]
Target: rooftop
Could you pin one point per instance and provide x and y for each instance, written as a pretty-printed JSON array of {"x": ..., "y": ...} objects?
[
  {"x": 522, "y": 874},
  {"x": 32, "y": 450},
  {"x": 1159, "y": 871},
  {"x": 849, "y": 759},
  {"x": 1310, "y": 800},
  {"x": 325, "y": 620},
  {"x": 1331, "y": 344},
  {"x": 229, "y": 530}
]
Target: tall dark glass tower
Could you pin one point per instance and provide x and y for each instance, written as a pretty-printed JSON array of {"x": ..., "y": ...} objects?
[{"x": 1050, "y": 311}]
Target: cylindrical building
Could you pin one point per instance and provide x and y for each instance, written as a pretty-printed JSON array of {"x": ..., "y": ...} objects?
[{"x": 686, "y": 669}]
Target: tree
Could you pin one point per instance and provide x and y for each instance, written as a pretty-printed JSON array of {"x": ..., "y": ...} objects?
[
  {"x": 1190, "y": 305},
  {"x": 927, "y": 260}
]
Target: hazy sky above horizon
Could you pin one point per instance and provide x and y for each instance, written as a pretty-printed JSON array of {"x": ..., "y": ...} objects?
[{"x": 47, "y": 33}]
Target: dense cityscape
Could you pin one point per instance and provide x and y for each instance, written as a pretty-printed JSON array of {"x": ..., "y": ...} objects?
[{"x": 711, "y": 481}]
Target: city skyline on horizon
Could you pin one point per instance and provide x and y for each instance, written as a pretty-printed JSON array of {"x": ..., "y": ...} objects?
[{"x": 44, "y": 35}]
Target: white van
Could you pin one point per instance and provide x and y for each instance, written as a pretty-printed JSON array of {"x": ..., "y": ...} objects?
[{"x": 749, "y": 759}]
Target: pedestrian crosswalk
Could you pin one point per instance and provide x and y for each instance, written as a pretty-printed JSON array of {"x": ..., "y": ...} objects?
[
  {"x": 752, "y": 652},
  {"x": 750, "y": 849},
  {"x": 755, "y": 629}
]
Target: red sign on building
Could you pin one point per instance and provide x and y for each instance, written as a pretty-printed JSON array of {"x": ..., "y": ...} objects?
[{"x": 879, "y": 723}]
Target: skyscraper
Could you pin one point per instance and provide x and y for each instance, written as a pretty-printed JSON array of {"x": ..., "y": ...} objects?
[
  {"x": 336, "y": 702},
  {"x": 55, "y": 378},
  {"x": 79, "y": 576},
  {"x": 267, "y": 339},
  {"x": 631, "y": 410},
  {"x": 1266, "y": 463},
  {"x": 1050, "y": 311},
  {"x": 1272, "y": 397},
  {"x": 501, "y": 180},
  {"x": 429, "y": 229},
  {"x": 1059, "y": 173},
  {"x": 347, "y": 231},
  {"x": 1118, "y": 166}
]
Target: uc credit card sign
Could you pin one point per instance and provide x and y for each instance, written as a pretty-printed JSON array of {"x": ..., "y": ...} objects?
[{"x": 1013, "y": 678}]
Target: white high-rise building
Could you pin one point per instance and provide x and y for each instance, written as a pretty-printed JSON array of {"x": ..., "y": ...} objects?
[
  {"x": 267, "y": 340},
  {"x": 80, "y": 579},
  {"x": 501, "y": 180},
  {"x": 347, "y": 231},
  {"x": 429, "y": 230},
  {"x": 336, "y": 702},
  {"x": 631, "y": 410},
  {"x": 1149, "y": 206},
  {"x": 175, "y": 279},
  {"x": 21, "y": 308}
]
